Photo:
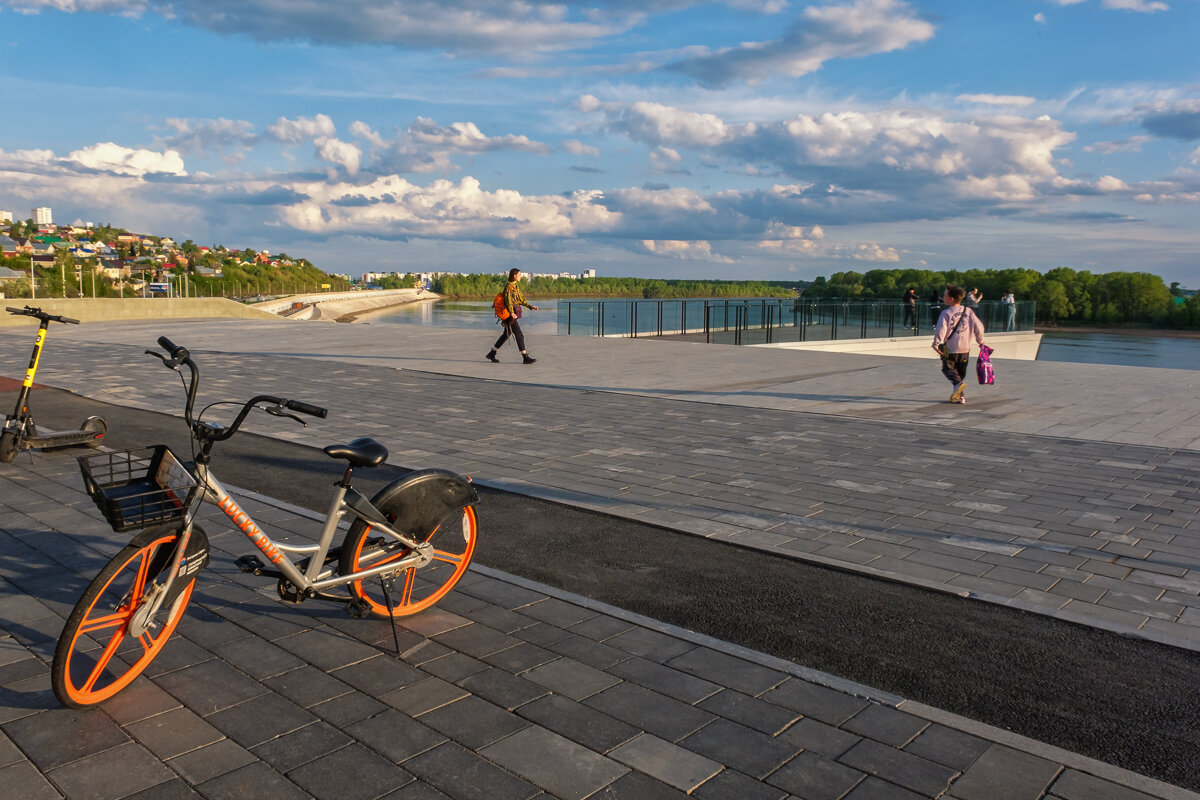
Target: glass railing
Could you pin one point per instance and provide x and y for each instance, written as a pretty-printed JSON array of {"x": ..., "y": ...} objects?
[{"x": 772, "y": 320}]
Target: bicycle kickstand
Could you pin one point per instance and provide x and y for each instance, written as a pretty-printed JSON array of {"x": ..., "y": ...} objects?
[{"x": 387, "y": 595}]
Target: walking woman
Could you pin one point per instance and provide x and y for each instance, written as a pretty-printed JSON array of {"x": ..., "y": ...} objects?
[
  {"x": 509, "y": 315},
  {"x": 956, "y": 327}
]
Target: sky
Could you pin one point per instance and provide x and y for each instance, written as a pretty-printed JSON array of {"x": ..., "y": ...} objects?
[{"x": 745, "y": 139}]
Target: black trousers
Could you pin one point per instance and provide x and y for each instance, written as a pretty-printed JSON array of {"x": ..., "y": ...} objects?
[
  {"x": 910, "y": 317},
  {"x": 511, "y": 328},
  {"x": 954, "y": 366}
]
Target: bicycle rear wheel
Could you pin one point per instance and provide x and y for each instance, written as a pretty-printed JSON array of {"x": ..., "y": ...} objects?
[
  {"x": 414, "y": 589},
  {"x": 108, "y": 639}
]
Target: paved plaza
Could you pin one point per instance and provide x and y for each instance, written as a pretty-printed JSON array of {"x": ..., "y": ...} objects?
[{"x": 1066, "y": 490}]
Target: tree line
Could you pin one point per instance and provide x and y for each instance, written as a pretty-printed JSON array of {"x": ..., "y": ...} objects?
[
  {"x": 1063, "y": 295},
  {"x": 489, "y": 285}
]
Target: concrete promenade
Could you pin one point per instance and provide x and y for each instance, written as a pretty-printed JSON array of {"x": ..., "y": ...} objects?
[{"x": 1068, "y": 490}]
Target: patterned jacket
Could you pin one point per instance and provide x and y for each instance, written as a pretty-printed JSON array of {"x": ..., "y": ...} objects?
[{"x": 513, "y": 297}]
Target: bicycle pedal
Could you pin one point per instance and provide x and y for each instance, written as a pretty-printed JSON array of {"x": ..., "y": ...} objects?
[
  {"x": 358, "y": 608},
  {"x": 252, "y": 564}
]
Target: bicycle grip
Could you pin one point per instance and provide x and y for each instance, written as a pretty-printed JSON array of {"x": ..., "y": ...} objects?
[
  {"x": 306, "y": 408},
  {"x": 68, "y": 320},
  {"x": 171, "y": 347}
]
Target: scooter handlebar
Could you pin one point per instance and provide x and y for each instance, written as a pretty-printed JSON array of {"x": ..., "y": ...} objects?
[{"x": 27, "y": 311}]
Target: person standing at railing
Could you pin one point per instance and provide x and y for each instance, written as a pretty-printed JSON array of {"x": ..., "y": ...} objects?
[
  {"x": 910, "y": 308},
  {"x": 934, "y": 307},
  {"x": 956, "y": 328},
  {"x": 1010, "y": 309},
  {"x": 509, "y": 312}
]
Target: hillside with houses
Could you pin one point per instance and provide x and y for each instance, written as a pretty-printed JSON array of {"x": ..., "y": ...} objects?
[{"x": 106, "y": 261}]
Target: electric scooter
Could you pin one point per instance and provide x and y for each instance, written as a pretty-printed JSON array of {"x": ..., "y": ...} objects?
[{"x": 20, "y": 433}]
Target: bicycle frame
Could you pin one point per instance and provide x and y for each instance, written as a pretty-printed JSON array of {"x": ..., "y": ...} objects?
[
  {"x": 347, "y": 502},
  {"x": 315, "y": 579}
]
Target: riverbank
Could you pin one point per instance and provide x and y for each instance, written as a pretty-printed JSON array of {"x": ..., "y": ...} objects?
[{"x": 371, "y": 304}]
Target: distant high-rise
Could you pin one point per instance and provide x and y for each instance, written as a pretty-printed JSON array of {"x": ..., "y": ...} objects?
[
  {"x": 6, "y": 216},
  {"x": 43, "y": 216}
]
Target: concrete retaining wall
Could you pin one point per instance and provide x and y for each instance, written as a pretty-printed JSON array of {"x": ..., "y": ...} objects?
[
  {"x": 106, "y": 309},
  {"x": 1022, "y": 346}
]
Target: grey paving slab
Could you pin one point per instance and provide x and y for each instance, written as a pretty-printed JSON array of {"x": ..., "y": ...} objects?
[
  {"x": 556, "y": 764},
  {"x": 669, "y": 763}
]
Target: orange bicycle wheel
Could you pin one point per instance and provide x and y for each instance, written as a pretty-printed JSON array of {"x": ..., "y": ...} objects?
[
  {"x": 415, "y": 589},
  {"x": 108, "y": 639}
]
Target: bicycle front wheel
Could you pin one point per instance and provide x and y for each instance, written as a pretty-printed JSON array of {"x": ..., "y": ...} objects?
[
  {"x": 109, "y": 638},
  {"x": 415, "y": 589}
]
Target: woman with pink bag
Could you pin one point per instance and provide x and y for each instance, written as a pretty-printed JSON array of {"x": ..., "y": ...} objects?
[{"x": 956, "y": 328}]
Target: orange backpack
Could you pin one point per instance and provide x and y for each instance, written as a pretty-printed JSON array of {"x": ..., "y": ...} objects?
[{"x": 500, "y": 307}]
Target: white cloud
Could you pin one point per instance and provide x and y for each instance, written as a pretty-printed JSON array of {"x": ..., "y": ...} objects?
[
  {"x": 1039, "y": 17},
  {"x": 578, "y": 148},
  {"x": 997, "y": 99},
  {"x": 515, "y": 27},
  {"x": 465, "y": 137},
  {"x": 204, "y": 137},
  {"x": 302, "y": 129},
  {"x": 684, "y": 250},
  {"x": 819, "y": 34},
  {"x": 870, "y": 252},
  {"x": 1141, "y": 6},
  {"x": 110, "y": 157},
  {"x": 122, "y": 7},
  {"x": 1131, "y": 145},
  {"x": 391, "y": 207},
  {"x": 909, "y": 147},
  {"x": 426, "y": 147},
  {"x": 335, "y": 151}
]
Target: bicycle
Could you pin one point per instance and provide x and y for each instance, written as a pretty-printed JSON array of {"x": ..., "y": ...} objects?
[
  {"x": 20, "y": 432},
  {"x": 130, "y": 609}
]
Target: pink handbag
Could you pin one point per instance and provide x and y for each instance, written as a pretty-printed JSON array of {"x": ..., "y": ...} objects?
[{"x": 983, "y": 366}]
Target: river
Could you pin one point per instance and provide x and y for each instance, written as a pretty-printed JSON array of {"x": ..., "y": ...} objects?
[{"x": 1071, "y": 346}]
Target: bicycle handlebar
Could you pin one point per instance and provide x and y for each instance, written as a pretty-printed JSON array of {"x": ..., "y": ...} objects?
[
  {"x": 305, "y": 408},
  {"x": 29, "y": 311},
  {"x": 180, "y": 355}
]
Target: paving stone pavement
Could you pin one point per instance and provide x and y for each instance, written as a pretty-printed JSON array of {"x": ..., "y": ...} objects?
[
  {"x": 506, "y": 690},
  {"x": 1096, "y": 532}
]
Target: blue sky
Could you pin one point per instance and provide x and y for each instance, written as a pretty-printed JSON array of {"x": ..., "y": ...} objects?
[{"x": 755, "y": 139}]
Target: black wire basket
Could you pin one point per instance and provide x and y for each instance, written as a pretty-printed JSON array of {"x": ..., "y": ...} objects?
[{"x": 140, "y": 487}]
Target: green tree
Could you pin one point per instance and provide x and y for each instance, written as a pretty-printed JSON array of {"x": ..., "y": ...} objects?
[{"x": 1052, "y": 301}]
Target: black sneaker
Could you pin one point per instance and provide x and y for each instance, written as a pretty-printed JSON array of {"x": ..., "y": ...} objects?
[
  {"x": 491, "y": 356},
  {"x": 528, "y": 360}
]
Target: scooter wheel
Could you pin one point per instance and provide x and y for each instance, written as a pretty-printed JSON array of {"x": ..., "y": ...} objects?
[
  {"x": 8, "y": 447},
  {"x": 97, "y": 426}
]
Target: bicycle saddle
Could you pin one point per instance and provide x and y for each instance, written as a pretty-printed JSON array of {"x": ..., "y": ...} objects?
[{"x": 361, "y": 452}]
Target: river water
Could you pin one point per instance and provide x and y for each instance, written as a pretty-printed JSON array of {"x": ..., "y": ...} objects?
[{"x": 1076, "y": 347}]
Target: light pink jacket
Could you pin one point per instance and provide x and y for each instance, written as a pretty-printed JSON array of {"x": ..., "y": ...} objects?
[{"x": 958, "y": 337}]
